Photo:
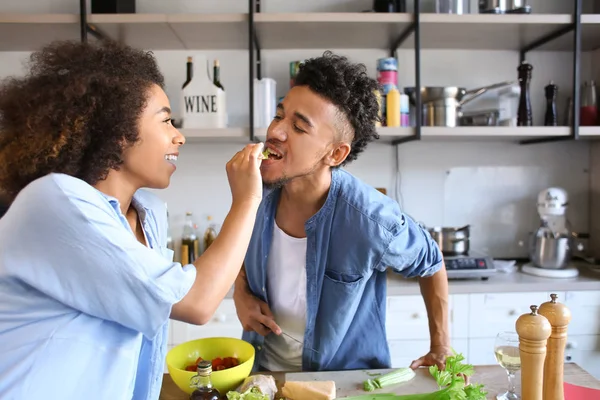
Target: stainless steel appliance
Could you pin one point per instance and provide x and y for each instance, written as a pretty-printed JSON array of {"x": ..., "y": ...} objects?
[
  {"x": 470, "y": 266},
  {"x": 552, "y": 244},
  {"x": 504, "y": 7}
]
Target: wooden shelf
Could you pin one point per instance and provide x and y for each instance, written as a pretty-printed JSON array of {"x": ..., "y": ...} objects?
[
  {"x": 26, "y": 32},
  {"x": 388, "y": 135},
  {"x": 469, "y": 133},
  {"x": 176, "y": 31},
  {"x": 229, "y": 135},
  {"x": 589, "y": 132},
  {"x": 329, "y": 30},
  {"x": 438, "y": 31},
  {"x": 492, "y": 32}
]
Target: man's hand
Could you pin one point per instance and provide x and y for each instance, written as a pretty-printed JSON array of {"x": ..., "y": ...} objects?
[
  {"x": 254, "y": 314},
  {"x": 436, "y": 356}
]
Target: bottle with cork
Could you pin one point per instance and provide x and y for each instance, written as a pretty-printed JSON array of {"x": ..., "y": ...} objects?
[
  {"x": 559, "y": 316},
  {"x": 202, "y": 384},
  {"x": 210, "y": 234},
  {"x": 190, "y": 244},
  {"x": 533, "y": 330}
]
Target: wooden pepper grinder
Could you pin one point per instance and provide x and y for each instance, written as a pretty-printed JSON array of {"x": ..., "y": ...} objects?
[
  {"x": 559, "y": 317},
  {"x": 533, "y": 330}
]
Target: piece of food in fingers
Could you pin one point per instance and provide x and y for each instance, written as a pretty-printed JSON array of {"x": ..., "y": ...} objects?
[{"x": 265, "y": 153}]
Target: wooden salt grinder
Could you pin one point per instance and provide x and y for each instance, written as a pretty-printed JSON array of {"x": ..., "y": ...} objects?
[
  {"x": 533, "y": 330},
  {"x": 559, "y": 317}
]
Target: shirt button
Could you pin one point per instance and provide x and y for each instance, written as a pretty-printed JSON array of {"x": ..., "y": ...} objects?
[
  {"x": 264, "y": 289},
  {"x": 259, "y": 348}
]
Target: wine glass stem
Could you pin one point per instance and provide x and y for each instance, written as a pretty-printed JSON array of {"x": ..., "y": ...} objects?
[{"x": 511, "y": 382}]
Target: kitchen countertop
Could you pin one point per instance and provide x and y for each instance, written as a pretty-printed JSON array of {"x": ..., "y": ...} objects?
[
  {"x": 500, "y": 282},
  {"x": 492, "y": 376}
]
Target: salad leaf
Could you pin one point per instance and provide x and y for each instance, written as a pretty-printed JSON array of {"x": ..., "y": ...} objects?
[{"x": 253, "y": 393}]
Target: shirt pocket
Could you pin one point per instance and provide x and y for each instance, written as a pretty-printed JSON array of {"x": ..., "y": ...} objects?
[
  {"x": 342, "y": 292},
  {"x": 343, "y": 278}
]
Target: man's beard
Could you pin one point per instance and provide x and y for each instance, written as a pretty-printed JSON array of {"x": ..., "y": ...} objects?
[{"x": 284, "y": 180}]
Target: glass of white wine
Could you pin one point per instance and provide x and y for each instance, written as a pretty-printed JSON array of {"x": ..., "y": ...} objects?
[{"x": 507, "y": 354}]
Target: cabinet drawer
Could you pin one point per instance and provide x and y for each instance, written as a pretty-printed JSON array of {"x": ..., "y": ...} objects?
[
  {"x": 585, "y": 312},
  {"x": 497, "y": 312},
  {"x": 406, "y": 318},
  {"x": 224, "y": 323}
]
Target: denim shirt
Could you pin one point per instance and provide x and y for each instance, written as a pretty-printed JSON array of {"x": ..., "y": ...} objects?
[
  {"x": 84, "y": 307},
  {"x": 351, "y": 241}
]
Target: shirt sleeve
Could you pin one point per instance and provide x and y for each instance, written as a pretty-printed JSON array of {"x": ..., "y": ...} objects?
[
  {"x": 411, "y": 251},
  {"x": 70, "y": 244}
]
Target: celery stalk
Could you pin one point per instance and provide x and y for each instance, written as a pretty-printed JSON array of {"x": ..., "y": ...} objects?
[
  {"x": 450, "y": 381},
  {"x": 391, "y": 378}
]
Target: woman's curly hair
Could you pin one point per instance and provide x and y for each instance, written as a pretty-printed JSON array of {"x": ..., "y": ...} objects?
[
  {"x": 75, "y": 112},
  {"x": 348, "y": 86}
]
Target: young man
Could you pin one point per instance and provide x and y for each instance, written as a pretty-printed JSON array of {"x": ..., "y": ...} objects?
[{"x": 313, "y": 291}]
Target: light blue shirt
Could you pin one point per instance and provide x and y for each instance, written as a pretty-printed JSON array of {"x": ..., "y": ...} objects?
[
  {"x": 351, "y": 242},
  {"x": 84, "y": 306}
]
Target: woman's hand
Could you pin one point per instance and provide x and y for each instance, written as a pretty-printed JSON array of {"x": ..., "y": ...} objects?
[{"x": 243, "y": 172}]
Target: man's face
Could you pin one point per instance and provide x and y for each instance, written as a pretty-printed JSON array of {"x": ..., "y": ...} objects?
[{"x": 304, "y": 137}]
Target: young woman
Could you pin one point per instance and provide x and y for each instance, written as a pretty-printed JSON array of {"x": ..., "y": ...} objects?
[{"x": 87, "y": 285}]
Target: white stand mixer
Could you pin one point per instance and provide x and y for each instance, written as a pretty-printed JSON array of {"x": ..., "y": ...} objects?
[{"x": 550, "y": 247}]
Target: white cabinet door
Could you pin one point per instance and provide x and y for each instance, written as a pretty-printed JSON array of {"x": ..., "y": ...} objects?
[
  {"x": 492, "y": 313},
  {"x": 404, "y": 352},
  {"x": 481, "y": 351},
  {"x": 584, "y": 350},
  {"x": 585, "y": 312},
  {"x": 224, "y": 323},
  {"x": 406, "y": 317}
]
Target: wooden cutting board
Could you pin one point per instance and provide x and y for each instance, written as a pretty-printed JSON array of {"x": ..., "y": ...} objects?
[{"x": 350, "y": 383}]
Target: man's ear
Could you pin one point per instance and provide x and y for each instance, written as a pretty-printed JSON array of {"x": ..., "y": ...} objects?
[{"x": 338, "y": 154}]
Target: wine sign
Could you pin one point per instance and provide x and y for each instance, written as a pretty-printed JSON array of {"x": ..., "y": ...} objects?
[{"x": 203, "y": 104}]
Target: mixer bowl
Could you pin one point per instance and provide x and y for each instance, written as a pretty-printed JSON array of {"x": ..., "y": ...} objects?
[{"x": 550, "y": 252}]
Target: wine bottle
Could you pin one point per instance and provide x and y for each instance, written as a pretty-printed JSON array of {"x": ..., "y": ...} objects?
[
  {"x": 189, "y": 72},
  {"x": 217, "y": 75}
]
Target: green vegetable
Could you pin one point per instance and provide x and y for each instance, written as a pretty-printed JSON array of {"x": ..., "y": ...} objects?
[
  {"x": 253, "y": 393},
  {"x": 450, "y": 381},
  {"x": 266, "y": 153},
  {"x": 391, "y": 378}
]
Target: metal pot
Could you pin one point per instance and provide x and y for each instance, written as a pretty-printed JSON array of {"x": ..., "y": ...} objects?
[
  {"x": 451, "y": 241},
  {"x": 502, "y": 6},
  {"x": 441, "y": 105}
]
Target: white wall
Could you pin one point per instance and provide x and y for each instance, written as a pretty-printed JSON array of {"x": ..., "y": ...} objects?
[{"x": 498, "y": 181}]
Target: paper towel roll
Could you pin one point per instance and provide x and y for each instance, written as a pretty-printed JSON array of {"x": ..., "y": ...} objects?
[{"x": 265, "y": 102}]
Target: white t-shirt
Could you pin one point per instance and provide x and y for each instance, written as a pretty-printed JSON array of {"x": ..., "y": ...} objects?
[{"x": 286, "y": 286}]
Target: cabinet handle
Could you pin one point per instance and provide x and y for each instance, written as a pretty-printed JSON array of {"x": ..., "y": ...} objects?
[
  {"x": 513, "y": 312},
  {"x": 415, "y": 316}
]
